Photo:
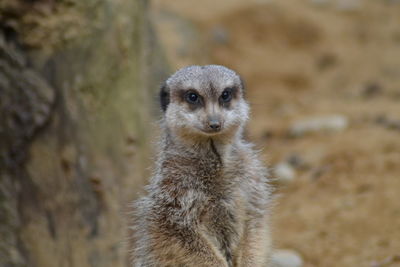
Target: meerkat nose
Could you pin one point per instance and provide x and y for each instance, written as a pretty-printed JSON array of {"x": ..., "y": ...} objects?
[{"x": 214, "y": 124}]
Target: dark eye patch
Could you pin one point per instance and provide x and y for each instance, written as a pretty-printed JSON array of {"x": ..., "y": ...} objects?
[
  {"x": 227, "y": 95},
  {"x": 192, "y": 97}
]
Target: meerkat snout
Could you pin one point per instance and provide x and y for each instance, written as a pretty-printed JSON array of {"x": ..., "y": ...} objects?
[
  {"x": 204, "y": 101},
  {"x": 214, "y": 119},
  {"x": 214, "y": 123}
]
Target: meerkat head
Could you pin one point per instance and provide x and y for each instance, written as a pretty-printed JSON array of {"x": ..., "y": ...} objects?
[{"x": 204, "y": 101}]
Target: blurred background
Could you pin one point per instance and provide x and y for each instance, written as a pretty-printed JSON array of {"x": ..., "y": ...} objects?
[{"x": 78, "y": 119}]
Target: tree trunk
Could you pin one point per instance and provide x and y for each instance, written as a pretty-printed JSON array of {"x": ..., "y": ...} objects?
[{"x": 77, "y": 80}]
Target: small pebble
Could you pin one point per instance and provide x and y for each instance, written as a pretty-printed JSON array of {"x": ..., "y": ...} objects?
[
  {"x": 296, "y": 161},
  {"x": 332, "y": 123},
  {"x": 286, "y": 258},
  {"x": 372, "y": 90},
  {"x": 388, "y": 123},
  {"x": 284, "y": 172},
  {"x": 220, "y": 35}
]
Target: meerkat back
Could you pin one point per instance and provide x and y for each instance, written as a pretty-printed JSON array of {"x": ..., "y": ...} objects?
[{"x": 208, "y": 199}]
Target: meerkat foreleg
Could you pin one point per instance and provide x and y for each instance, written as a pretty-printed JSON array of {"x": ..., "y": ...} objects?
[{"x": 255, "y": 247}]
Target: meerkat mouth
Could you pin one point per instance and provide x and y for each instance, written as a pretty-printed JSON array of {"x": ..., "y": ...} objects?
[{"x": 210, "y": 132}]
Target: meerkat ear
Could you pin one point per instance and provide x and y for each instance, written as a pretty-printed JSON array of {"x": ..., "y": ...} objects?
[{"x": 164, "y": 97}]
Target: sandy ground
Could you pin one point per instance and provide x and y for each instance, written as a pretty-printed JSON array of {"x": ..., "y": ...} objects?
[{"x": 302, "y": 59}]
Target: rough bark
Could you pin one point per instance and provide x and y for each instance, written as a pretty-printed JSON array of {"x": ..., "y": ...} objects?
[{"x": 76, "y": 94}]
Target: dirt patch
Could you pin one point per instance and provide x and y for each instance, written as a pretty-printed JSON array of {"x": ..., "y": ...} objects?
[
  {"x": 302, "y": 59},
  {"x": 265, "y": 24}
]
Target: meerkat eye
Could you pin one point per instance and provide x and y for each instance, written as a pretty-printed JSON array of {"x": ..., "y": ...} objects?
[
  {"x": 226, "y": 96},
  {"x": 192, "y": 97}
]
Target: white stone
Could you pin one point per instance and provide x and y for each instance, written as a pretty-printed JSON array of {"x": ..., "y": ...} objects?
[
  {"x": 284, "y": 172},
  {"x": 286, "y": 258},
  {"x": 332, "y": 123}
]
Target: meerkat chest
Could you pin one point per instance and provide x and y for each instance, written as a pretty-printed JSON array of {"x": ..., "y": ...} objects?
[{"x": 221, "y": 219}]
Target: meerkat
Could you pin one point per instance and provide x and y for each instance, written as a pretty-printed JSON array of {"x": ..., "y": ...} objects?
[{"x": 208, "y": 200}]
